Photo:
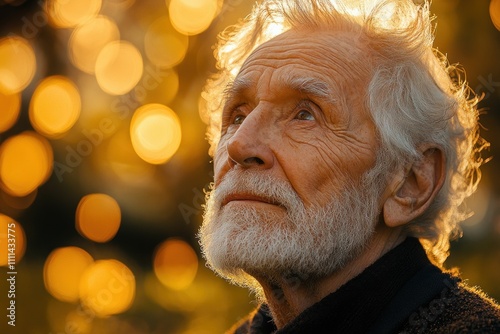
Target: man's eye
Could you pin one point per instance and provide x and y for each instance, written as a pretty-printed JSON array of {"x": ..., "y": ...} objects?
[
  {"x": 238, "y": 119},
  {"x": 304, "y": 115}
]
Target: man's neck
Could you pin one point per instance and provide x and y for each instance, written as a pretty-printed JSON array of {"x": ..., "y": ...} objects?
[{"x": 289, "y": 296}]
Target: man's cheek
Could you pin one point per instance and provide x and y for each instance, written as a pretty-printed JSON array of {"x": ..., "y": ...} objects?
[{"x": 221, "y": 166}]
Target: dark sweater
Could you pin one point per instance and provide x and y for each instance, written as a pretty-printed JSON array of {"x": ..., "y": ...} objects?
[{"x": 402, "y": 292}]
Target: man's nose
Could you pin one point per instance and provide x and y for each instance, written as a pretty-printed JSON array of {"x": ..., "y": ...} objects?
[{"x": 249, "y": 146}]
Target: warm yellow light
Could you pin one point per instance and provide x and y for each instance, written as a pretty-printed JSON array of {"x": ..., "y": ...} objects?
[
  {"x": 175, "y": 264},
  {"x": 88, "y": 40},
  {"x": 495, "y": 13},
  {"x": 63, "y": 270},
  {"x": 192, "y": 17},
  {"x": 165, "y": 47},
  {"x": 25, "y": 163},
  {"x": 155, "y": 131},
  {"x": 17, "y": 64},
  {"x": 55, "y": 106},
  {"x": 118, "y": 67},
  {"x": 98, "y": 217},
  {"x": 70, "y": 13},
  {"x": 107, "y": 287},
  {"x": 12, "y": 239},
  {"x": 10, "y": 104}
]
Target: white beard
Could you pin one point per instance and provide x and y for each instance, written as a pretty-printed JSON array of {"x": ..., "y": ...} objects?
[{"x": 278, "y": 241}]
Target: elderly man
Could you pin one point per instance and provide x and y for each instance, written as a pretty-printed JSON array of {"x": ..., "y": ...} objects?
[{"x": 344, "y": 146}]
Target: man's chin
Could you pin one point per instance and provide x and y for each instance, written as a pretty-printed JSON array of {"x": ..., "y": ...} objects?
[
  {"x": 250, "y": 276},
  {"x": 257, "y": 258},
  {"x": 240, "y": 220}
]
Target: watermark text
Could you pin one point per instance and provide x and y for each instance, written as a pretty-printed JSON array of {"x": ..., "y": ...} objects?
[{"x": 11, "y": 273}]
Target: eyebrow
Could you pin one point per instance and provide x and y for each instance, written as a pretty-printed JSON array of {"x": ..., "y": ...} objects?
[
  {"x": 235, "y": 87},
  {"x": 305, "y": 85},
  {"x": 310, "y": 86}
]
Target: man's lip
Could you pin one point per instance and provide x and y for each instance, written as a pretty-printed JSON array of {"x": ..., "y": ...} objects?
[{"x": 248, "y": 197}]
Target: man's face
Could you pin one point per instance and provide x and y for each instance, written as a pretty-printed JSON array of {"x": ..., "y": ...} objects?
[{"x": 296, "y": 141}]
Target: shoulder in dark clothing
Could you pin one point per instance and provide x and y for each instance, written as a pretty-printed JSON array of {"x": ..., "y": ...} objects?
[{"x": 458, "y": 309}]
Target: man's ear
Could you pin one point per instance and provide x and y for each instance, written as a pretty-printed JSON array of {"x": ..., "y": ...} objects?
[{"x": 416, "y": 189}]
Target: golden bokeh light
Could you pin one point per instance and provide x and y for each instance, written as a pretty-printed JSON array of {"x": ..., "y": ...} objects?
[
  {"x": 98, "y": 217},
  {"x": 17, "y": 64},
  {"x": 89, "y": 39},
  {"x": 63, "y": 270},
  {"x": 11, "y": 237},
  {"x": 192, "y": 17},
  {"x": 495, "y": 13},
  {"x": 165, "y": 47},
  {"x": 55, "y": 106},
  {"x": 175, "y": 264},
  {"x": 107, "y": 287},
  {"x": 10, "y": 105},
  {"x": 118, "y": 67},
  {"x": 71, "y": 13},
  {"x": 155, "y": 131},
  {"x": 26, "y": 162}
]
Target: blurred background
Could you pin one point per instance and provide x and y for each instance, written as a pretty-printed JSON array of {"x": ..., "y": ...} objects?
[{"x": 103, "y": 162}]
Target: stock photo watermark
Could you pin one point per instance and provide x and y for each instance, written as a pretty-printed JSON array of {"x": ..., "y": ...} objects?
[
  {"x": 32, "y": 24},
  {"x": 11, "y": 273}
]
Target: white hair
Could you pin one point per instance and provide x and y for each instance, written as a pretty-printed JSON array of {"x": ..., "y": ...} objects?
[{"x": 414, "y": 96}]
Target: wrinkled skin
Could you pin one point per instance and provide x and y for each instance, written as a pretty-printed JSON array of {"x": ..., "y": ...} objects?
[{"x": 318, "y": 138}]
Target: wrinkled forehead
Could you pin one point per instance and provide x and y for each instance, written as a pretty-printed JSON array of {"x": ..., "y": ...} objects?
[
  {"x": 335, "y": 53},
  {"x": 331, "y": 65}
]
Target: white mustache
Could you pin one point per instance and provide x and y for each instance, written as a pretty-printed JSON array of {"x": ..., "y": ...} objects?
[{"x": 236, "y": 183}]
